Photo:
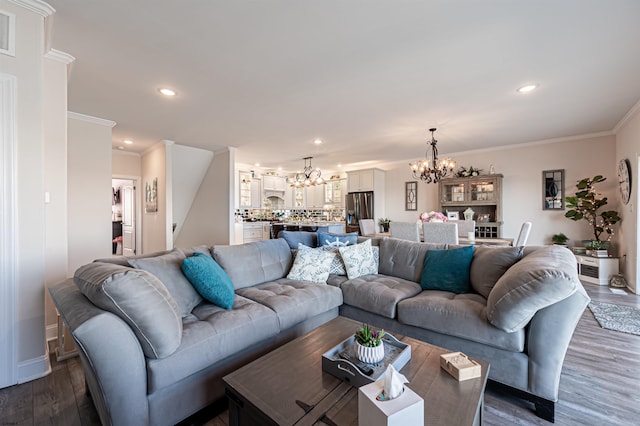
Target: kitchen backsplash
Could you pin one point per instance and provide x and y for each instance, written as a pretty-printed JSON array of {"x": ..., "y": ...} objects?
[{"x": 334, "y": 214}]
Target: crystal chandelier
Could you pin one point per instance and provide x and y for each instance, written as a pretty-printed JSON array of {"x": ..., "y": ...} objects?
[
  {"x": 432, "y": 169},
  {"x": 309, "y": 176}
]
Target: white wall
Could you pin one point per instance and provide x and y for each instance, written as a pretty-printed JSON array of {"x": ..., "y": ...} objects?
[
  {"x": 154, "y": 225},
  {"x": 628, "y": 146},
  {"x": 55, "y": 182},
  {"x": 522, "y": 168},
  {"x": 89, "y": 189},
  {"x": 27, "y": 67},
  {"x": 125, "y": 163},
  {"x": 211, "y": 220}
]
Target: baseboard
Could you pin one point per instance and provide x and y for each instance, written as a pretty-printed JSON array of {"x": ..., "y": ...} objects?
[
  {"x": 34, "y": 368},
  {"x": 52, "y": 332}
]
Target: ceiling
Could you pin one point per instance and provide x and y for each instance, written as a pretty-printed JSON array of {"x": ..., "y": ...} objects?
[{"x": 367, "y": 77}]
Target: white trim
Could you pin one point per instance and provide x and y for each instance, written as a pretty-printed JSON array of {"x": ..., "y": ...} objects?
[
  {"x": 11, "y": 47},
  {"x": 90, "y": 119},
  {"x": 8, "y": 237},
  {"x": 125, "y": 152},
  {"x": 139, "y": 202},
  {"x": 38, "y": 6},
  {"x": 58, "y": 55},
  {"x": 34, "y": 368},
  {"x": 52, "y": 332},
  {"x": 628, "y": 116}
]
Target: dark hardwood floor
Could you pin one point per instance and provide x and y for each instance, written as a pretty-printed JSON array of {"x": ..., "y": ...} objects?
[{"x": 600, "y": 385}]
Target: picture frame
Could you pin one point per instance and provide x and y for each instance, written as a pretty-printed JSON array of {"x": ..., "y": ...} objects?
[
  {"x": 151, "y": 196},
  {"x": 411, "y": 196},
  {"x": 453, "y": 215},
  {"x": 553, "y": 189}
]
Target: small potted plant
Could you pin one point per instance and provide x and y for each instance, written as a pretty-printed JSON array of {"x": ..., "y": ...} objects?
[
  {"x": 384, "y": 224},
  {"x": 559, "y": 239},
  {"x": 368, "y": 345}
]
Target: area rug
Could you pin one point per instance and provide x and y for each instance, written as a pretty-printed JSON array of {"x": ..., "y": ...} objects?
[{"x": 617, "y": 317}]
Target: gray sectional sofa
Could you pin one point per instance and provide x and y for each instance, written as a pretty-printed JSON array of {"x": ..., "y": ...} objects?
[{"x": 154, "y": 352}]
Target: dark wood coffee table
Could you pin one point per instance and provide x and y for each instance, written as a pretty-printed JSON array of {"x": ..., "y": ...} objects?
[{"x": 288, "y": 386}]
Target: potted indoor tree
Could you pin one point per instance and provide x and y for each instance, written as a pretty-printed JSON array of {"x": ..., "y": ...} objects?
[
  {"x": 368, "y": 345},
  {"x": 586, "y": 205}
]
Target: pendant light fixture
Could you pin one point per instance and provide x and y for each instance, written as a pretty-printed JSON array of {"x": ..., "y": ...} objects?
[
  {"x": 309, "y": 176},
  {"x": 432, "y": 168}
]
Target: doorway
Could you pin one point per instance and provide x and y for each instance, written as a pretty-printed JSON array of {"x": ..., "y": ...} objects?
[{"x": 124, "y": 217}]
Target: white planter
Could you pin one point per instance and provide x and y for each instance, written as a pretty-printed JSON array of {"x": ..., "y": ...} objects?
[{"x": 369, "y": 355}]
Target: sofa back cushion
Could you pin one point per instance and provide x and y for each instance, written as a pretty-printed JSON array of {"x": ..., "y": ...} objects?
[
  {"x": 489, "y": 264},
  {"x": 139, "y": 299},
  {"x": 167, "y": 268},
  {"x": 542, "y": 278},
  {"x": 254, "y": 263},
  {"x": 293, "y": 238},
  {"x": 403, "y": 258}
]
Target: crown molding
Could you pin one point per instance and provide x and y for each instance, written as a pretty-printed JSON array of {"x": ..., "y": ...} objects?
[
  {"x": 124, "y": 152},
  {"x": 90, "y": 119},
  {"x": 60, "y": 56},
  {"x": 38, "y": 6},
  {"x": 633, "y": 111}
]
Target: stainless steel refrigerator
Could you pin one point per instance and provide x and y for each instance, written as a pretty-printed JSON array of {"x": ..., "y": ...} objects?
[{"x": 359, "y": 205}]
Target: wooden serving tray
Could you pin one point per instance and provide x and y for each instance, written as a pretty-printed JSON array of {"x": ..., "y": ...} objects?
[{"x": 396, "y": 353}]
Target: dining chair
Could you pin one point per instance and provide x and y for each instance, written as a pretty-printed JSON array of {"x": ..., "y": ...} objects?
[
  {"x": 405, "y": 230},
  {"x": 367, "y": 227},
  {"x": 525, "y": 230},
  {"x": 440, "y": 232},
  {"x": 464, "y": 227}
]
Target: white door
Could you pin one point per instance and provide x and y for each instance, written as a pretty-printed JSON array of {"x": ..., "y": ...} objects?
[{"x": 128, "y": 219}]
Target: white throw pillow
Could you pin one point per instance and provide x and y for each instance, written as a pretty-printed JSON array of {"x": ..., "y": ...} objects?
[
  {"x": 359, "y": 260},
  {"x": 311, "y": 265}
]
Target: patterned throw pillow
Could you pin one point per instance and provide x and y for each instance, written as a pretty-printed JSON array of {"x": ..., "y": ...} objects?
[
  {"x": 359, "y": 260},
  {"x": 337, "y": 264},
  {"x": 311, "y": 265},
  {"x": 337, "y": 240}
]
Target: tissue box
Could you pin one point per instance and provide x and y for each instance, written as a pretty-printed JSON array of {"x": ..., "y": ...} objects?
[
  {"x": 405, "y": 410},
  {"x": 460, "y": 366}
]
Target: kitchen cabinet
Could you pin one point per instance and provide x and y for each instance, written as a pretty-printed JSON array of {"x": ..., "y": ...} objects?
[
  {"x": 334, "y": 192},
  {"x": 273, "y": 183},
  {"x": 255, "y": 231},
  {"x": 250, "y": 196},
  {"x": 315, "y": 196},
  {"x": 299, "y": 197},
  {"x": 482, "y": 194}
]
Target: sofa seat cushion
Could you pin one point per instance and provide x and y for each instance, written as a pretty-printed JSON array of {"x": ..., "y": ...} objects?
[
  {"x": 210, "y": 334},
  {"x": 294, "y": 301},
  {"x": 378, "y": 293},
  {"x": 459, "y": 315}
]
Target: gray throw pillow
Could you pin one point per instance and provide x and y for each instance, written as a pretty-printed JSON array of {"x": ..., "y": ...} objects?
[
  {"x": 139, "y": 299},
  {"x": 168, "y": 269},
  {"x": 489, "y": 264},
  {"x": 540, "y": 279}
]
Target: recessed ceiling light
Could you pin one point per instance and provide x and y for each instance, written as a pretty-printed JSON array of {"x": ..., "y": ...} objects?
[
  {"x": 167, "y": 92},
  {"x": 317, "y": 141},
  {"x": 127, "y": 141},
  {"x": 339, "y": 165},
  {"x": 257, "y": 164},
  {"x": 121, "y": 147},
  {"x": 528, "y": 88}
]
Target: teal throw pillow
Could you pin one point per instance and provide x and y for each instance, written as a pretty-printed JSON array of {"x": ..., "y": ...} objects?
[
  {"x": 209, "y": 279},
  {"x": 447, "y": 270},
  {"x": 337, "y": 240}
]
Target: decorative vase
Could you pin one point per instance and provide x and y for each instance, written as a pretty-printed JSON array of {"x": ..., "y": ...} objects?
[{"x": 370, "y": 355}]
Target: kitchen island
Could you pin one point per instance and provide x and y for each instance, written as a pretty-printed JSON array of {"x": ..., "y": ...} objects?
[{"x": 250, "y": 231}]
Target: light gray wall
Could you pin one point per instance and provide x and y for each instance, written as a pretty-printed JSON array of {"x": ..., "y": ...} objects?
[
  {"x": 89, "y": 189},
  {"x": 210, "y": 220},
  {"x": 522, "y": 168},
  {"x": 154, "y": 225},
  {"x": 628, "y": 146}
]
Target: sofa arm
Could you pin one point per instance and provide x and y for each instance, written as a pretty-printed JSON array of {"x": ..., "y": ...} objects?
[
  {"x": 112, "y": 358},
  {"x": 548, "y": 338}
]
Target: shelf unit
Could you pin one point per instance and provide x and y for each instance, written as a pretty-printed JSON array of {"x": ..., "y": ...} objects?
[{"x": 482, "y": 194}]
